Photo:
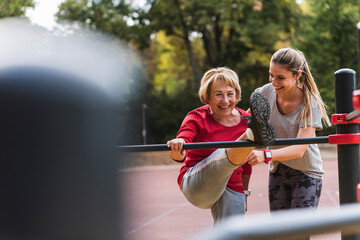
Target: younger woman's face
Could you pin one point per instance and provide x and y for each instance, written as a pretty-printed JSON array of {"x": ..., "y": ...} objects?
[{"x": 283, "y": 80}]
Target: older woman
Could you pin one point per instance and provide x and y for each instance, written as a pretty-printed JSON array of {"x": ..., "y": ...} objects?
[{"x": 218, "y": 179}]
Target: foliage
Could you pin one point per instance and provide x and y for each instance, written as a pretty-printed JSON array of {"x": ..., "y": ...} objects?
[
  {"x": 328, "y": 38},
  {"x": 14, "y": 8},
  {"x": 227, "y": 33},
  {"x": 180, "y": 40},
  {"x": 172, "y": 66},
  {"x": 174, "y": 107},
  {"x": 235, "y": 33},
  {"x": 108, "y": 16},
  {"x": 187, "y": 38}
]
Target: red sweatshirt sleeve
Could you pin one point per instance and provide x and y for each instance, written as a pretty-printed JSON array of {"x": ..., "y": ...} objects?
[{"x": 189, "y": 128}]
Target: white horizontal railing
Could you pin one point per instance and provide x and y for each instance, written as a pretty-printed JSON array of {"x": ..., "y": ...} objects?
[{"x": 287, "y": 224}]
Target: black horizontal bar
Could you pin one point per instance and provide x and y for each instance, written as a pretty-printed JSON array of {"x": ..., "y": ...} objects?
[{"x": 230, "y": 144}]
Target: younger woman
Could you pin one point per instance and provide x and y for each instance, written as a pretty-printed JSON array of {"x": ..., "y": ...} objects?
[{"x": 296, "y": 111}]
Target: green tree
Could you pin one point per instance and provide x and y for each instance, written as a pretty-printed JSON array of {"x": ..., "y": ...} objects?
[
  {"x": 14, "y": 8},
  {"x": 328, "y": 38},
  {"x": 171, "y": 93},
  {"x": 200, "y": 34},
  {"x": 118, "y": 18},
  {"x": 240, "y": 34}
]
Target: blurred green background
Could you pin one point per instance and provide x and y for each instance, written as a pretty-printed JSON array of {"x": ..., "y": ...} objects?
[{"x": 179, "y": 40}]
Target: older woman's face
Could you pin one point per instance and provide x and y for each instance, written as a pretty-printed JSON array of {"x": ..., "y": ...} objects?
[{"x": 222, "y": 99}]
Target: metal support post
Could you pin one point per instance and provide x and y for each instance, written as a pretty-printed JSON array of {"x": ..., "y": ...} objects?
[
  {"x": 144, "y": 106},
  {"x": 348, "y": 155}
]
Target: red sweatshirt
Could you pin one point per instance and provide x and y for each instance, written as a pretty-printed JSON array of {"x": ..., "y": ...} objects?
[{"x": 200, "y": 126}]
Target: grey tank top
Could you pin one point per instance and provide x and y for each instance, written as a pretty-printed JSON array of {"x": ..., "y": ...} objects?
[{"x": 287, "y": 126}]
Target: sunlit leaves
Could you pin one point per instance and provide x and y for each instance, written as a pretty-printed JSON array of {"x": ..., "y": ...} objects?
[{"x": 14, "y": 8}]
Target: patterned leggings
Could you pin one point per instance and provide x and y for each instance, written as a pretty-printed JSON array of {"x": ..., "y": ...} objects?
[{"x": 290, "y": 188}]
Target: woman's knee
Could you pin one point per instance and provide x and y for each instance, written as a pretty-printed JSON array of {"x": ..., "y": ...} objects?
[{"x": 199, "y": 199}]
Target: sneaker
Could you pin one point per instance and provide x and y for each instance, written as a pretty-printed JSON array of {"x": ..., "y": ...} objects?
[{"x": 263, "y": 131}]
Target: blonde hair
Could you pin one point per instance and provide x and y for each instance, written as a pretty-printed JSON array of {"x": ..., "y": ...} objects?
[
  {"x": 294, "y": 60},
  {"x": 218, "y": 74}
]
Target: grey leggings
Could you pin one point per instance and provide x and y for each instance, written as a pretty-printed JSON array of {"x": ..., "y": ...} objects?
[
  {"x": 290, "y": 188},
  {"x": 204, "y": 186}
]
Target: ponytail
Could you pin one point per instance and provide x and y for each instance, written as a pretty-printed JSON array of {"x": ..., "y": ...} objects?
[{"x": 294, "y": 60}]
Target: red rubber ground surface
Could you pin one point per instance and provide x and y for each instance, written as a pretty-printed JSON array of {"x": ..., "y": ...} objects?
[{"x": 156, "y": 209}]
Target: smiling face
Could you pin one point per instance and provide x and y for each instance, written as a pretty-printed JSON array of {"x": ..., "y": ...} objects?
[
  {"x": 283, "y": 80},
  {"x": 222, "y": 99}
]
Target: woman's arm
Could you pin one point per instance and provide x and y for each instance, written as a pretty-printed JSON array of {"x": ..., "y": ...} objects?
[
  {"x": 187, "y": 132},
  {"x": 286, "y": 153}
]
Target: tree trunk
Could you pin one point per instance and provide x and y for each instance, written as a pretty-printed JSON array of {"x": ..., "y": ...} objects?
[
  {"x": 218, "y": 34},
  {"x": 207, "y": 47},
  {"x": 193, "y": 64}
]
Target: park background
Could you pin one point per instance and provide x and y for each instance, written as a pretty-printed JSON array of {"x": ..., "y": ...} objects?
[{"x": 173, "y": 42}]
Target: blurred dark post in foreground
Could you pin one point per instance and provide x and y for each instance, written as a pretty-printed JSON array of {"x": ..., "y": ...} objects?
[{"x": 57, "y": 158}]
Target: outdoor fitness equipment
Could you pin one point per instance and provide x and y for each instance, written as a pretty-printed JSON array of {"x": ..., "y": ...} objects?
[{"x": 347, "y": 138}]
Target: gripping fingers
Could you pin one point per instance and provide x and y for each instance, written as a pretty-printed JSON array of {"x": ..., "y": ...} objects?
[
  {"x": 176, "y": 145},
  {"x": 253, "y": 159}
]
